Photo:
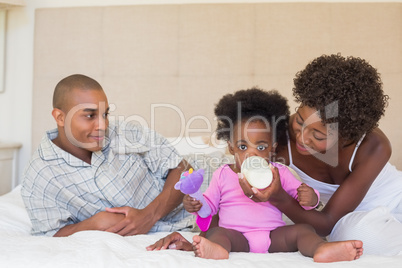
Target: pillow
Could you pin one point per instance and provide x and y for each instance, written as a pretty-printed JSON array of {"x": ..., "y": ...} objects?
[
  {"x": 13, "y": 215},
  {"x": 198, "y": 144}
]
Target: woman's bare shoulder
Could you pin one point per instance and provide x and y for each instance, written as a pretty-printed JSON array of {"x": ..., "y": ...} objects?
[
  {"x": 375, "y": 147},
  {"x": 377, "y": 141}
]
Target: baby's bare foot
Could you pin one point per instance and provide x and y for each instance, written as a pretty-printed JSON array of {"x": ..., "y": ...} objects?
[
  {"x": 339, "y": 251},
  {"x": 206, "y": 249}
]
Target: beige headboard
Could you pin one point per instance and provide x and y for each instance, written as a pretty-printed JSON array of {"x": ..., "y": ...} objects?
[{"x": 172, "y": 63}]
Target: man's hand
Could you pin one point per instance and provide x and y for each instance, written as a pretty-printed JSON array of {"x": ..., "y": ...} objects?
[
  {"x": 172, "y": 241},
  {"x": 135, "y": 221}
]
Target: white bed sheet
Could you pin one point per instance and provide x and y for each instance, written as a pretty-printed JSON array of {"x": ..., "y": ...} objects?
[{"x": 102, "y": 249}]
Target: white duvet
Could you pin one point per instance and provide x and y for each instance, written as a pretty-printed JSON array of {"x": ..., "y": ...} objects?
[{"x": 102, "y": 249}]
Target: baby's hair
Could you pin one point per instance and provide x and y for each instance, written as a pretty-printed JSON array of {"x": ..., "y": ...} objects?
[
  {"x": 253, "y": 103},
  {"x": 66, "y": 85},
  {"x": 345, "y": 90}
]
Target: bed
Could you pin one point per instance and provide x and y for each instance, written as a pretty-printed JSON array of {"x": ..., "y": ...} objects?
[{"x": 101, "y": 249}]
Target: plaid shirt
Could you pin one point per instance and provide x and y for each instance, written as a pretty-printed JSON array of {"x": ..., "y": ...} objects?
[{"x": 59, "y": 189}]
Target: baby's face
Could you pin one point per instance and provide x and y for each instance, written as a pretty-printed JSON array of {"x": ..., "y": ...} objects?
[{"x": 251, "y": 138}]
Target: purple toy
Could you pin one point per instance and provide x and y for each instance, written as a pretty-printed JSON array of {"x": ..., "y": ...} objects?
[{"x": 190, "y": 183}]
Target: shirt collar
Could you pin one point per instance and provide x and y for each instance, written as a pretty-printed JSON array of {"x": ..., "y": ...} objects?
[
  {"x": 49, "y": 151},
  {"x": 125, "y": 138},
  {"x": 128, "y": 138}
]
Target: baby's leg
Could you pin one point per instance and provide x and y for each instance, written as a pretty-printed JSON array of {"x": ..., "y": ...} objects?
[
  {"x": 339, "y": 251},
  {"x": 303, "y": 237},
  {"x": 218, "y": 243},
  {"x": 206, "y": 249}
]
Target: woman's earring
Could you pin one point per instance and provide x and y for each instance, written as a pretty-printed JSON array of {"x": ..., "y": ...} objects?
[
  {"x": 273, "y": 152},
  {"x": 274, "y": 146}
]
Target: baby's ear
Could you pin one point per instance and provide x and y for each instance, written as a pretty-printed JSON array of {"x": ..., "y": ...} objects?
[{"x": 230, "y": 148}]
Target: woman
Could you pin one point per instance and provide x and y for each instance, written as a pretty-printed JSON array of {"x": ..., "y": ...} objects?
[{"x": 335, "y": 146}]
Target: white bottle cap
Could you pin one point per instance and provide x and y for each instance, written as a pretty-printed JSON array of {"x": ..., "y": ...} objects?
[{"x": 257, "y": 172}]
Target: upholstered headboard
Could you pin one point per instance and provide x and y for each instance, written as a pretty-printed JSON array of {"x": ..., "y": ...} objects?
[{"x": 168, "y": 65}]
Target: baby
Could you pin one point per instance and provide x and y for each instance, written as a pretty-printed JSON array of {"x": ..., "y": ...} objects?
[{"x": 254, "y": 123}]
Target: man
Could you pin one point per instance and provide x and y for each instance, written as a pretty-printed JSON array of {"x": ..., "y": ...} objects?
[{"x": 89, "y": 175}]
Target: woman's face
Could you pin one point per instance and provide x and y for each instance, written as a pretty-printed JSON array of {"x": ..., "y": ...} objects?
[
  {"x": 312, "y": 135},
  {"x": 251, "y": 138}
]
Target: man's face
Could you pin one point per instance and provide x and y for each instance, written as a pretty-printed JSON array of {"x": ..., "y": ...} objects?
[{"x": 86, "y": 119}]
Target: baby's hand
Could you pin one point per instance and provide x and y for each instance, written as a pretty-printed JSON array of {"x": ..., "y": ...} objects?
[
  {"x": 306, "y": 196},
  {"x": 191, "y": 204}
]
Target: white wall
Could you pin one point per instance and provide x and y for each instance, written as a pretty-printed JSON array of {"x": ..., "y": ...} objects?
[{"x": 16, "y": 101}]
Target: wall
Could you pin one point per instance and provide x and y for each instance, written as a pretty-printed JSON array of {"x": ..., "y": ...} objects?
[{"x": 16, "y": 102}]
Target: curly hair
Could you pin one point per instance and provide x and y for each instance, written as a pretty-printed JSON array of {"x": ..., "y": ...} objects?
[
  {"x": 349, "y": 86},
  {"x": 253, "y": 103}
]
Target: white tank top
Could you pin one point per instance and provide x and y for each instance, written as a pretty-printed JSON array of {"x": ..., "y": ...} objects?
[{"x": 386, "y": 189}]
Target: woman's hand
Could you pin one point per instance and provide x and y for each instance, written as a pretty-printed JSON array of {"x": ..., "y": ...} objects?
[
  {"x": 262, "y": 195},
  {"x": 190, "y": 204},
  {"x": 172, "y": 241}
]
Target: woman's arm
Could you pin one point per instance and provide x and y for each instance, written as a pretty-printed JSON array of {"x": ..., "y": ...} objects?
[{"x": 370, "y": 158}]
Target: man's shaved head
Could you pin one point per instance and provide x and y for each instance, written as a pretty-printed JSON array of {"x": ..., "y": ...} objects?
[{"x": 66, "y": 85}]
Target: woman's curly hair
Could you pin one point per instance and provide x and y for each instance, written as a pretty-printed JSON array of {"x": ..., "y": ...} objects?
[
  {"x": 346, "y": 90},
  {"x": 252, "y": 103}
]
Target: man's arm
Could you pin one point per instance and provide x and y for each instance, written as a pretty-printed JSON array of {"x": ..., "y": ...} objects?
[
  {"x": 177, "y": 241},
  {"x": 169, "y": 198},
  {"x": 100, "y": 221},
  {"x": 140, "y": 221}
]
